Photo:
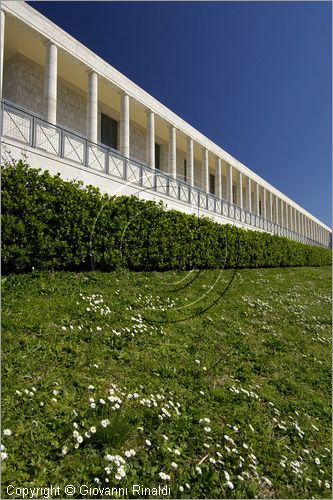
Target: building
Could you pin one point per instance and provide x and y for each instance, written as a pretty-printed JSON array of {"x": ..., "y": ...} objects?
[{"x": 73, "y": 113}]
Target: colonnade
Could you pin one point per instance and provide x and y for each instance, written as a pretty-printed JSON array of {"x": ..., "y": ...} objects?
[{"x": 240, "y": 188}]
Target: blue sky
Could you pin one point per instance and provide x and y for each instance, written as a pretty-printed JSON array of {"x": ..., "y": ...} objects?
[{"x": 254, "y": 77}]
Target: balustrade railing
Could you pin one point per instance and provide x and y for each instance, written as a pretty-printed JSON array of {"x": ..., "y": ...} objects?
[{"x": 30, "y": 130}]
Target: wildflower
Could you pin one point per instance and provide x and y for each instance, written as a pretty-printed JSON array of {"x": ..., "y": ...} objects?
[
  {"x": 7, "y": 432},
  {"x": 207, "y": 429},
  {"x": 133, "y": 453},
  {"x": 75, "y": 425},
  {"x": 202, "y": 393},
  {"x": 230, "y": 484},
  {"x": 317, "y": 461},
  {"x": 91, "y": 387},
  {"x": 181, "y": 489},
  {"x": 164, "y": 476},
  {"x": 267, "y": 481},
  {"x": 64, "y": 328},
  {"x": 165, "y": 437},
  {"x": 102, "y": 401},
  {"x": 96, "y": 480},
  {"x": 93, "y": 430},
  {"x": 174, "y": 465},
  {"x": 204, "y": 420},
  {"x": 121, "y": 471},
  {"x": 98, "y": 328},
  {"x": 64, "y": 450},
  {"x": 204, "y": 368},
  {"x": 128, "y": 454},
  {"x": 212, "y": 460},
  {"x": 87, "y": 434},
  {"x": 245, "y": 446},
  {"x": 79, "y": 439},
  {"x": 187, "y": 486},
  {"x": 226, "y": 475},
  {"x": 3, "y": 455},
  {"x": 93, "y": 405},
  {"x": 148, "y": 443},
  {"x": 177, "y": 452},
  {"x": 55, "y": 392},
  {"x": 54, "y": 399},
  {"x": 197, "y": 361},
  {"x": 105, "y": 423}
]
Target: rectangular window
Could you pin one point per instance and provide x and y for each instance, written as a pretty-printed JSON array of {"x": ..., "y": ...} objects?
[
  {"x": 234, "y": 194},
  {"x": 212, "y": 183},
  {"x": 157, "y": 156},
  {"x": 109, "y": 131},
  {"x": 185, "y": 172},
  {"x": 259, "y": 207}
]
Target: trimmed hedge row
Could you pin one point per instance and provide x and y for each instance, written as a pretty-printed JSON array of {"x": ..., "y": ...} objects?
[{"x": 48, "y": 223}]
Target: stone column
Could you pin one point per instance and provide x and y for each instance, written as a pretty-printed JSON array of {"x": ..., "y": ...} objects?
[
  {"x": 302, "y": 224},
  {"x": 218, "y": 177},
  {"x": 281, "y": 212},
  {"x": 205, "y": 170},
  {"x": 124, "y": 125},
  {"x": 2, "y": 47},
  {"x": 270, "y": 206},
  {"x": 277, "y": 220},
  {"x": 150, "y": 139},
  {"x": 248, "y": 195},
  {"x": 264, "y": 212},
  {"x": 92, "y": 100},
  {"x": 257, "y": 199},
  {"x": 50, "y": 83},
  {"x": 287, "y": 216},
  {"x": 230, "y": 195},
  {"x": 190, "y": 162},
  {"x": 172, "y": 164},
  {"x": 240, "y": 189}
]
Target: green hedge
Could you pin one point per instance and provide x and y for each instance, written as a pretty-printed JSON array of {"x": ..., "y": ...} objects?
[{"x": 48, "y": 223}]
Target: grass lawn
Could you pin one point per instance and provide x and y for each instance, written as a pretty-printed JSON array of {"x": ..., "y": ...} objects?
[{"x": 175, "y": 379}]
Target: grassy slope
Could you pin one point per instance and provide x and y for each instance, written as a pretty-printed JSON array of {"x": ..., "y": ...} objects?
[{"x": 264, "y": 380}]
